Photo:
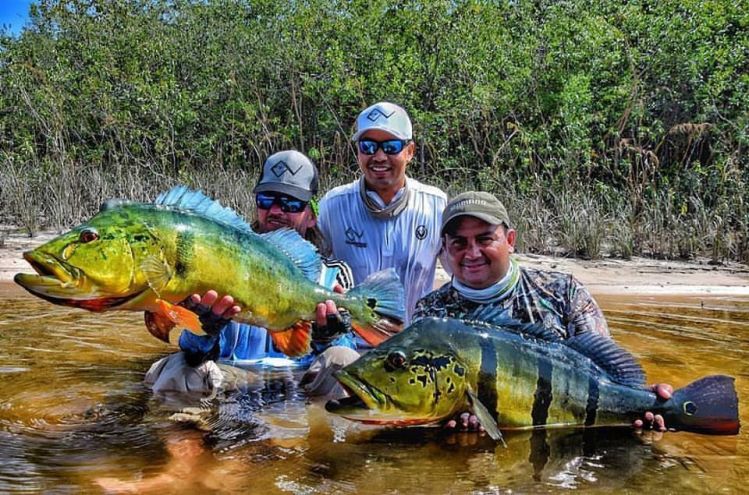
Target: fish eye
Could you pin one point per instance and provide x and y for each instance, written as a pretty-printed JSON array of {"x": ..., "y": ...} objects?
[
  {"x": 88, "y": 236},
  {"x": 396, "y": 360}
]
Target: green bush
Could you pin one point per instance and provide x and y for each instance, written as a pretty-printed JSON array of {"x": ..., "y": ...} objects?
[{"x": 634, "y": 112}]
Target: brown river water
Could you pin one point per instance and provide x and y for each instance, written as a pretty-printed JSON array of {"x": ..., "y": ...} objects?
[{"x": 76, "y": 418}]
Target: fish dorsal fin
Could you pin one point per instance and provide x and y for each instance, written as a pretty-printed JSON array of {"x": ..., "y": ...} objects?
[
  {"x": 499, "y": 317},
  {"x": 183, "y": 198},
  {"x": 301, "y": 252},
  {"x": 618, "y": 364}
]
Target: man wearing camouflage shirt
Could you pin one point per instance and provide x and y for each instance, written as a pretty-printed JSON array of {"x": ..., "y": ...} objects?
[{"x": 477, "y": 243}]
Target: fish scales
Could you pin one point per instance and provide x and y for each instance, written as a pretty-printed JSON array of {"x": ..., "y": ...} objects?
[
  {"x": 559, "y": 396},
  {"x": 146, "y": 257},
  {"x": 522, "y": 376}
]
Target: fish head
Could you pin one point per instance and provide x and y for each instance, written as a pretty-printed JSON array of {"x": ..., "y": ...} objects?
[
  {"x": 94, "y": 266},
  {"x": 413, "y": 378}
]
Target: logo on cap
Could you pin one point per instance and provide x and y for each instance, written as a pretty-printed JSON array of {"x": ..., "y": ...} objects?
[
  {"x": 282, "y": 167},
  {"x": 377, "y": 113}
]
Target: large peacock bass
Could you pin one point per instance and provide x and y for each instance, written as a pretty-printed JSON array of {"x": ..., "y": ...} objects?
[
  {"x": 517, "y": 376},
  {"x": 145, "y": 257}
]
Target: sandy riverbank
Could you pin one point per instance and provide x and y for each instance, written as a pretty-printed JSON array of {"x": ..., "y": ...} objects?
[{"x": 607, "y": 276}]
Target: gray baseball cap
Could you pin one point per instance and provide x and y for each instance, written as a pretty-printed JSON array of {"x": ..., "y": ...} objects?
[
  {"x": 288, "y": 172},
  {"x": 384, "y": 116},
  {"x": 478, "y": 204}
]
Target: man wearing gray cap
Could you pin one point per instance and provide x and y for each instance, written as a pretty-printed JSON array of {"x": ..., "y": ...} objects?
[
  {"x": 385, "y": 219},
  {"x": 478, "y": 241},
  {"x": 284, "y": 196}
]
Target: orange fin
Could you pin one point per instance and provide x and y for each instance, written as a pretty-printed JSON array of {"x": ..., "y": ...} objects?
[
  {"x": 295, "y": 340},
  {"x": 182, "y": 317},
  {"x": 378, "y": 333},
  {"x": 158, "y": 325}
]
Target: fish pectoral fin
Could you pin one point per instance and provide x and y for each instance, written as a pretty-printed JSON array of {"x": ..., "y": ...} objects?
[
  {"x": 179, "y": 316},
  {"x": 485, "y": 418},
  {"x": 157, "y": 273},
  {"x": 295, "y": 340},
  {"x": 158, "y": 325}
]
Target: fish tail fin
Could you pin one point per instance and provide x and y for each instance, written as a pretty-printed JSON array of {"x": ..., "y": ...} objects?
[
  {"x": 182, "y": 317},
  {"x": 382, "y": 313},
  {"x": 708, "y": 405},
  {"x": 295, "y": 340}
]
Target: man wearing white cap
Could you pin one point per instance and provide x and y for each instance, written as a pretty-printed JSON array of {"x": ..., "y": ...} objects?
[{"x": 385, "y": 219}]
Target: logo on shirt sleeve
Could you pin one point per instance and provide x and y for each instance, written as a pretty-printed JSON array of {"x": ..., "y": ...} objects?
[
  {"x": 421, "y": 232},
  {"x": 354, "y": 237}
]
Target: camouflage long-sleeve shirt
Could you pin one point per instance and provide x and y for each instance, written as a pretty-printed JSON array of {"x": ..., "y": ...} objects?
[{"x": 555, "y": 299}]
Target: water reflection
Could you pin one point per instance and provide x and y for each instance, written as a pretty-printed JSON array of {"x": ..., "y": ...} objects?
[{"x": 74, "y": 416}]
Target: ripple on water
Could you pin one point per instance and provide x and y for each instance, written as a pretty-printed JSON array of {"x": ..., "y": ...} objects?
[{"x": 73, "y": 408}]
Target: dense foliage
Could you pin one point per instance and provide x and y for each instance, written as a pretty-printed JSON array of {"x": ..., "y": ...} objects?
[{"x": 606, "y": 126}]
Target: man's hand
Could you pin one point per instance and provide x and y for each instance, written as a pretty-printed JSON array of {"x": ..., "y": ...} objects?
[
  {"x": 213, "y": 312},
  {"x": 464, "y": 422},
  {"x": 329, "y": 322},
  {"x": 651, "y": 421}
]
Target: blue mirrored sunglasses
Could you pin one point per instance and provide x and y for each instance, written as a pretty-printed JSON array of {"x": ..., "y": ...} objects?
[
  {"x": 389, "y": 147},
  {"x": 264, "y": 201}
]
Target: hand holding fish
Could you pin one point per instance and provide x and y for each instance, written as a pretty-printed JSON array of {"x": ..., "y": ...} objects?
[
  {"x": 327, "y": 309},
  {"x": 212, "y": 311},
  {"x": 469, "y": 422},
  {"x": 651, "y": 421},
  {"x": 464, "y": 422},
  {"x": 329, "y": 322}
]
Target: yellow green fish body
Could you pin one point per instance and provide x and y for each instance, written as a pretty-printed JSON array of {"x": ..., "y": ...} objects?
[
  {"x": 133, "y": 256},
  {"x": 518, "y": 376}
]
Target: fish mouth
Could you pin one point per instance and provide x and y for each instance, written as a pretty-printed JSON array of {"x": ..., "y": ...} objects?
[
  {"x": 60, "y": 283},
  {"x": 50, "y": 268},
  {"x": 361, "y": 395},
  {"x": 366, "y": 404}
]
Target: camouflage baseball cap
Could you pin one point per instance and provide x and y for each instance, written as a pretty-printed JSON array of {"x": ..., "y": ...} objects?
[
  {"x": 478, "y": 204},
  {"x": 288, "y": 172},
  {"x": 384, "y": 116}
]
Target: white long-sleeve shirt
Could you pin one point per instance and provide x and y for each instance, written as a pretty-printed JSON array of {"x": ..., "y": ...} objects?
[{"x": 408, "y": 242}]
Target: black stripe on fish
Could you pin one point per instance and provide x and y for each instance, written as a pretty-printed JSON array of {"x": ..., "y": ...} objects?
[
  {"x": 591, "y": 408},
  {"x": 543, "y": 396},
  {"x": 487, "y": 382},
  {"x": 185, "y": 252}
]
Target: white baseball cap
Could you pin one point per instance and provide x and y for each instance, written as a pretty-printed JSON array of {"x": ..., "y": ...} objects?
[{"x": 384, "y": 116}]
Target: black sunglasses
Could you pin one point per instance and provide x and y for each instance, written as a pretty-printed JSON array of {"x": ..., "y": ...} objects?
[
  {"x": 264, "y": 201},
  {"x": 389, "y": 147}
]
